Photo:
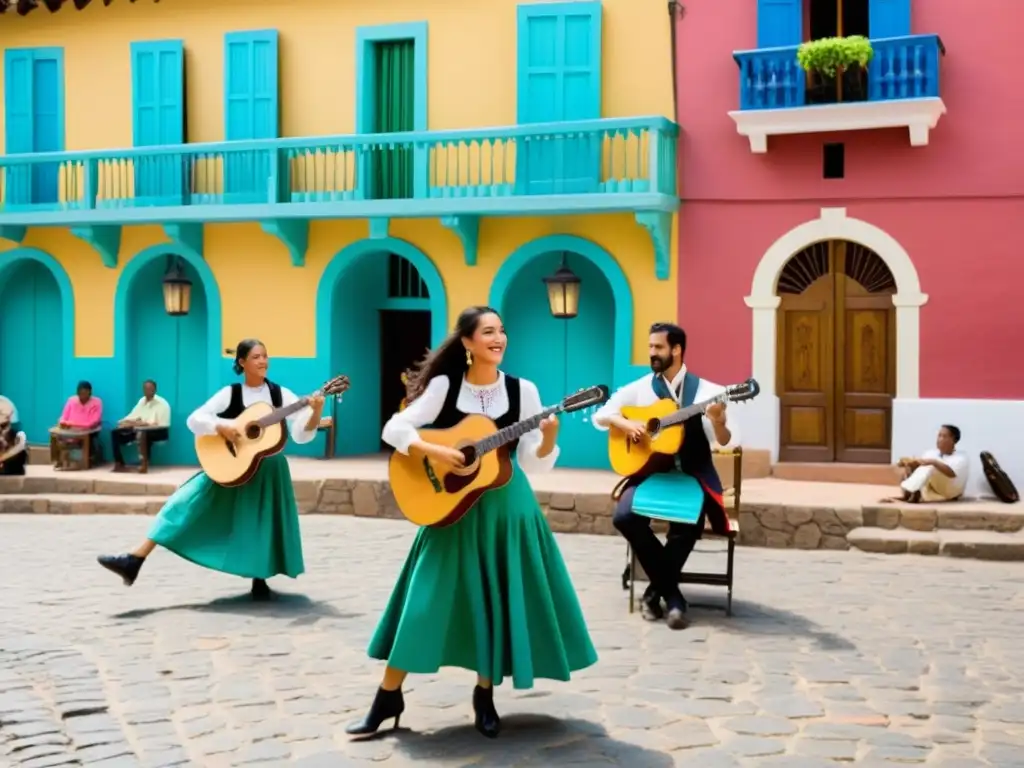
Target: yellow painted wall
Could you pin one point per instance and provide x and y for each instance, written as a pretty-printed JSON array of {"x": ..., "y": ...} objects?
[
  {"x": 247, "y": 263},
  {"x": 471, "y": 60}
]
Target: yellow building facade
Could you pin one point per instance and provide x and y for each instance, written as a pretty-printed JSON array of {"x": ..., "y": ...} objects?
[{"x": 268, "y": 216}]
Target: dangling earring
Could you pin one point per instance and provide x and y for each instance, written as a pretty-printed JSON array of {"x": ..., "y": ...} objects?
[{"x": 469, "y": 357}]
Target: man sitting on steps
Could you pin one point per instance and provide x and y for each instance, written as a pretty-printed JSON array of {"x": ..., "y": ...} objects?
[{"x": 939, "y": 475}]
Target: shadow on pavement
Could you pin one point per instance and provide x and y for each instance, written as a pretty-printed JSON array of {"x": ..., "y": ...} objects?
[
  {"x": 283, "y": 605},
  {"x": 757, "y": 619},
  {"x": 528, "y": 740}
]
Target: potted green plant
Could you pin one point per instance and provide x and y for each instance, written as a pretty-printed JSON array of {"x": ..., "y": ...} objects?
[{"x": 832, "y": 58}]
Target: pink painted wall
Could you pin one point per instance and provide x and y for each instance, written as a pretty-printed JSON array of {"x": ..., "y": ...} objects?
[{"x": 956, "y": 206}]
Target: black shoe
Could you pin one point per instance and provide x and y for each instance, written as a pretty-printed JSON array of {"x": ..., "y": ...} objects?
[
  {"x": 650, "y": 605},
  {"x": 386, "y": 704},
  {"x": 260, "y": 590},
  {"x": 125, "y": 566},
  {"x": 487, "y": 720},
  {"x": 677, "y": 615}
]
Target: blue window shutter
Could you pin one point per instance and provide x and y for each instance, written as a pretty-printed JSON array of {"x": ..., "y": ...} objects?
[
  {"x": 779, "y": 23},
  {"x": 888, "y": 18},
  {"x": 158, "y": 93},
  {"x": 251, "y": 106},
  {"x": 559, "y": 62},
  {"x": 18, "y": 89}
]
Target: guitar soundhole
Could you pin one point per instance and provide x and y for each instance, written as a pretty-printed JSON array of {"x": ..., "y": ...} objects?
[
  {"x": 469, "y": 453},
  {"x": 653, "y": 427},
  {"x": 253, "y": 431}
]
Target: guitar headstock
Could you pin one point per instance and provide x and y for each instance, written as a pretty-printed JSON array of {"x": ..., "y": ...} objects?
[
  {"x": 335, "y": 386},
  {"x": 748, "y": 390},
  {"x": 585, "y": 398}
]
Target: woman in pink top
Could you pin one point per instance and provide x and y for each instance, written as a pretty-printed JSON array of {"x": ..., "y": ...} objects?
[{"x": 82, "y": 411}]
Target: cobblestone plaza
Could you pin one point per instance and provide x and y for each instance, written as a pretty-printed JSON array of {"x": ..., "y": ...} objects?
[{"x": 831, "y": 656}]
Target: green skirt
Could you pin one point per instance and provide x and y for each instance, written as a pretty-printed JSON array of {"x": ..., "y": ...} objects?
[
  {"x": 250, "y": 531},
  {"x": 491, "y": 594}
]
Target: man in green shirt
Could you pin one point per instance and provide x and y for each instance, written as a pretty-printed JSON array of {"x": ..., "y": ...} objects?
[{"x": 151, "y": 416}]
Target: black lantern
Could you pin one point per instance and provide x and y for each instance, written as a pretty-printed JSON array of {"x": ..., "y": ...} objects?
[
  {"x": 563, "y": 292},
  {"x": 177, "y": 289}
]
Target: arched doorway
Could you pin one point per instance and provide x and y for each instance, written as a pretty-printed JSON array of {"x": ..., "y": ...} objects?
[
  {"x": 33, "y": 345},
  {"x": 172, "y": 351},
  {"x": 561, "y": 356},
  {"x": 836, "y": 342},
  {"x": 383, "y": 319}
]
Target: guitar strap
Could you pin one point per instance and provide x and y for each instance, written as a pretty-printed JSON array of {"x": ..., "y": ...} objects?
[{"x": 690, "y": 385}]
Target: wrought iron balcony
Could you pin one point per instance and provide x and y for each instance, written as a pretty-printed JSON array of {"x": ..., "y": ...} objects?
[
  {"x": 901, "y": 88},
  {"x": 596, "y": 165}
]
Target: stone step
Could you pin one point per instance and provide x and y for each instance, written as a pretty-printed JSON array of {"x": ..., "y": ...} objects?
[
  {"x": 79, "y": 504},
  {"x": 978, "y": 545},
  {"x": 861, "y": 474},
  {"x": 945, "y": 517}
]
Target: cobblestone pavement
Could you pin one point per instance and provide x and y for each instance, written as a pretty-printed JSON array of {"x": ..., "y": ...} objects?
[{"x": 830, "y": 657}]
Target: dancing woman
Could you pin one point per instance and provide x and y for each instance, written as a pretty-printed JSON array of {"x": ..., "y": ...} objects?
[
  {"x": 251, "y": 530},
  {"x": 491, "y": 593}
]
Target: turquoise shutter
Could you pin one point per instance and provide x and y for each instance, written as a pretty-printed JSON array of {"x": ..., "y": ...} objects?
[
  {"x": 251, "y": 111},
  {"x": 779, "y": 23},
  {"x": 18, "y": 126},
  {"x": 558, "y": 79},
  {"x": 888, "y": 18},
  {"x": 158, "y": 119}
]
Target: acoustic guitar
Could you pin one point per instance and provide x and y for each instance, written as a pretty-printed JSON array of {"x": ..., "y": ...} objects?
[
  {"x": 665, "y": 434},
  {"x": 263, "y": 434},
  {"x": 437, "y": 494}
]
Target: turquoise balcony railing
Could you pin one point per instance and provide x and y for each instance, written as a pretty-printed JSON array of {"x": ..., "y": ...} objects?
[
  {"x": 902, "y": 68},
  {"x": 590, "y": 160}
]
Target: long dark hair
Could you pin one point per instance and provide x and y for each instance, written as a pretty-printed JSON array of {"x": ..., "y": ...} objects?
[
  {"x": 245, "y": 346},
  {"x": 449, "y": 357}
]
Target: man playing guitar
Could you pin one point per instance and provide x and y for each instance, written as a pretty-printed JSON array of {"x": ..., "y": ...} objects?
[{"x": 670, "y": 379}]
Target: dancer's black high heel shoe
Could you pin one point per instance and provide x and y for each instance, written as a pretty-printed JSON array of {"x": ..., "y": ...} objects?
[
  {"x": 260, "y": 590},
  {"x": 386, "y": 704},
  {"x": 487, "y": 720}
]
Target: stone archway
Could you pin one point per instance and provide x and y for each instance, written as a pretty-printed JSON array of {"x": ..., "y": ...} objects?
[{"x": 764, "y": 301}]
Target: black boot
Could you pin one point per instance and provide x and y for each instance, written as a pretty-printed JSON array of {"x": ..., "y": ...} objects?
[
  {"x": 651, "y": 605},
  {"x": 487, "y": 720},
  {"x": 260, "y": 590},
  {"x": 125, "y": 566},
  {"x": 386, "y": 704}
]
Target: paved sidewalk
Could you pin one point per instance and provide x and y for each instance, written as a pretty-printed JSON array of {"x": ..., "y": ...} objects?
[{"x": 831, "y": 656}]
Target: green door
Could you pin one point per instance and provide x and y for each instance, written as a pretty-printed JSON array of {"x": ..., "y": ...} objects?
[{"x": 392, "y": 166}]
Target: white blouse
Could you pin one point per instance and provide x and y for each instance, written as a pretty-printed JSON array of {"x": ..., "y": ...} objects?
[
  {"x": 491, "y": 400},
  {"x": 204, "y": 419}
]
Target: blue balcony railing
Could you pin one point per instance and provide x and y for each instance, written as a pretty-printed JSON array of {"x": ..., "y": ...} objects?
[
  {"x": 587, "y": 158},
  {"x": 902, "y": 68}
]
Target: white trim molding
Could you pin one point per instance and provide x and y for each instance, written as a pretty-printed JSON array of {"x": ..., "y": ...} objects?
[
  {"x": 832, "y": 224},
  {"x": 918, "y": 116}
]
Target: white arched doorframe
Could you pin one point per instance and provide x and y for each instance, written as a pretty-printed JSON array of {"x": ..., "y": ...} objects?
[{"x": 832, "y": 224}]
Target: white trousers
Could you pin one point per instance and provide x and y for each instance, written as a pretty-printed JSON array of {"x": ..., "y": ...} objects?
[{"x": 932, "y": 484}]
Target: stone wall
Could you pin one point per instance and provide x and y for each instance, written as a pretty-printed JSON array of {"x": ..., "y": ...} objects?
[{"x": 785, "y": 527}]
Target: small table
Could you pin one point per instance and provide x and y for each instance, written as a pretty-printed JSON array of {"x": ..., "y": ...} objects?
[{"x": 61, "y": 442}]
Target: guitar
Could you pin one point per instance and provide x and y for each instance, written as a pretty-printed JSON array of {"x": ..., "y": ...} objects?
[
  {"x": 665, "y": 433},
  {"x": 438, "y": 494},
  {"x": 262, "y": 433}
]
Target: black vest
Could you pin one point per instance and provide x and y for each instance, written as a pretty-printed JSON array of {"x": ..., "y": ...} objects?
[
  {"x": 695, "y": 454},
  {"x": 235, "y": 408},
  {"x": 450, "y": 414}
]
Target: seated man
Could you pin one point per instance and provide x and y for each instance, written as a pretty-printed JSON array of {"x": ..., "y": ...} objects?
[
  {"x": 153, "y": 412},
  {"x": 82, "y": 413},
  {"x": 940, "y": 474},
  {"x": 670, "y": 379},
  {"x": 13, "y": 443}
]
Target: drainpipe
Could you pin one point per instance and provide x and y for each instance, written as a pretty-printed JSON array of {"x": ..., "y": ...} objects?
[{"x": 675, "y": 12}]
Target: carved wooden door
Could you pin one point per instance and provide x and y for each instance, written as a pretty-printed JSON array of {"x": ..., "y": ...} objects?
[
  {"x": 836, "y": 362},
  {"x": 806, "y": 361},
  {"x": 865, "y": 359}
]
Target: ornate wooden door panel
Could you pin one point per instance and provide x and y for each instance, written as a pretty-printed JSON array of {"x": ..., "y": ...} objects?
[
  {"x": 866, "y": 360},
  {"x": 806, "y": 373}
]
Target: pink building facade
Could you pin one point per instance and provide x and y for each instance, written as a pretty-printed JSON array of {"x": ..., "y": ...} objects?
[{"x": 860, "y": 258}]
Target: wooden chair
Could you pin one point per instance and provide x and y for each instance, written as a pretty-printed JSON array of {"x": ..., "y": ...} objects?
[
  {"x": 711, "y": 578},
  {"x": 328, "y": 425},
  {"x": 63, "y": 441}
]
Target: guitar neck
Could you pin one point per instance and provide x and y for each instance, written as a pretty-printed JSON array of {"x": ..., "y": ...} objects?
[
  {"x": 690, "y": 411},
  {"x": 280, "y": 414},
  {"x": 513, "y": 431}
]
